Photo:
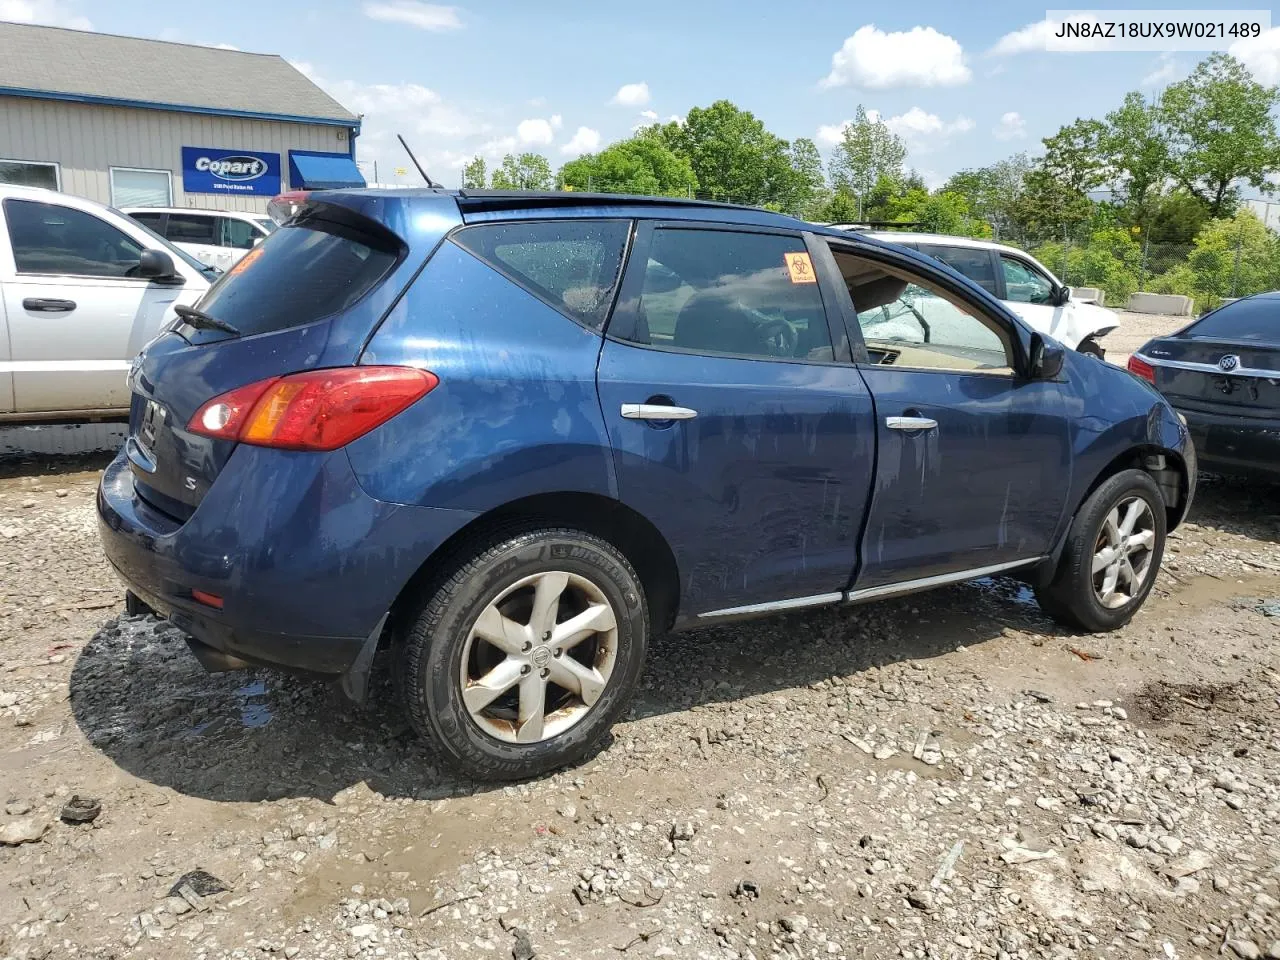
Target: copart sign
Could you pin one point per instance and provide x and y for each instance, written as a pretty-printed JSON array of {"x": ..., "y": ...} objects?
[{"x": 214, "y": 170}]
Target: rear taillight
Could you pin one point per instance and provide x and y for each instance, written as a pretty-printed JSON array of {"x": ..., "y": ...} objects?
[
  {"x": 1141, "y": 368},
  {"x": 315, "y": 410},
  {"x": 283, "y": 206}
]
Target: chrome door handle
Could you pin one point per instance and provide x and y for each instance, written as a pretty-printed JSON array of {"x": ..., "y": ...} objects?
[
  {"x": 655, "y": 411},
  {"x": 910, "y": 423}
]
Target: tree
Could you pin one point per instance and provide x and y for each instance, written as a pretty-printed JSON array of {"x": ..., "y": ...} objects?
[
  {"x": 1231, "y": 258},
  {"x": 529, "y": 171},
  {"x": 1222, "y": 131},
  {"x": 808, "y": 180},
  {"x": 732, "y": 155},
  {"x": 993, "y": 192},
  {"x": 1055, "y": 196},
  {"x": 1177, "y": 218},
  {"x": 642, "y": 164},
  {"x": 868, "y": 151},
  {"x": 1136, "y": 147},
  {"x": 474, "y": 174}
]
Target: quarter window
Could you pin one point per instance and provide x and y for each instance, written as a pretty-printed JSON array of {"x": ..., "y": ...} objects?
[
  {"x": 1025, "y": 284},
  {"x": 908, "y": 321},
  {"x": 740, "y": 294},
  {"x": 571, "y": 264},
  {"x": 48, "y": 238},
  {"x": 972, "y": 262},
  {"x": 29, "y": 173}
]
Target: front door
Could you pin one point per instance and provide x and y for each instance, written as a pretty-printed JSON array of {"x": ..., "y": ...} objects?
[
  {"x": 737, "y": 427},
  {"x": 974, "y": 458},
  {"x": 76, "y": 315}
]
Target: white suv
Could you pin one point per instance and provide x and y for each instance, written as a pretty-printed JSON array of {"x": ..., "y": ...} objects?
[
  {"x": 218, "y": 238},
  {"x": 1025, "y": 285}
]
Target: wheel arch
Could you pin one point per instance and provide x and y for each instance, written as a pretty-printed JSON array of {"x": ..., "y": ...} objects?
[
  {"x": 1167, "y": 469},
  {"x": 611, "y": 520}
]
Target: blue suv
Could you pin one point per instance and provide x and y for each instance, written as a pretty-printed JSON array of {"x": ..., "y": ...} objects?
[{"x": 509, "y": 436}]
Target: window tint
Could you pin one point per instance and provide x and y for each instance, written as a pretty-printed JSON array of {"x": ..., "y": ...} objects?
[
  {"x": 299, "y": 274},
  {"x": 190, "y": 228},
  {"x": 1025, "y": 284},
  {"x": 24, "y": 173},
  {"x": 571, "y": 264},
  {"x": 151, "y": 220},
  {"x": 970, "y": 261},
  {"x": 907, "y": 321},
  {"x": 236, "y": 233},
  {"x": 742, "y": 294},
  {"x": 1257, "y": 318},
  {"x": 48, "y": 238}
]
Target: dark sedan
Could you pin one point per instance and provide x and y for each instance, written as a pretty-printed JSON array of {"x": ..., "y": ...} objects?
[{"x": 1222, "y": 373}]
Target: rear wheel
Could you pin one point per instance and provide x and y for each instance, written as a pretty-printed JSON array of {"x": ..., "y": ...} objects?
[
  {"x": 523, "y": 659},
  {"x": 1091, "y": 346},
  {"x": 1112, "y": 555}
]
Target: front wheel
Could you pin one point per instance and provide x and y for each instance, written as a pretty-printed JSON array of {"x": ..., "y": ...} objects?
[
  {"x": 1112, "y": 554},
  {"x": 522, "y": 660}
]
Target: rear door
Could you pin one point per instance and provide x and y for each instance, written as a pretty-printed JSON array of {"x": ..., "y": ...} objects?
[
  {"x": 197, "y": 233},
  {"x": 738, "y": 426},
  {"x": 75, "y": 313}
]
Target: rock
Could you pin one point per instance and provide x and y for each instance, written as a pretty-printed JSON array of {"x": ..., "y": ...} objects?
[
  {"x": 177, "y": 906},
  {"x": 921, "y": 900},
  {"x": 522, "y": 949},
  {"x": 1273, "y": 950},
  {"x": 1024, "y": 855},
  {"x": 1170, "y": 845},
  {"x": 1123, "y": 755},
  {"x": 201, "y": 883},
  {"x": 1193, "y": 862},
  {"x": 1186, "y": 886},
  {"x": 17, "y": 832},
  {"x": 1244, "y": 949},
  {"x": 795, "y": 923},
  {"x": 17, "y": 808},
  {"x": 81, "y": 810},
  {"x": 364, "y": 931},
  {"x": 1120, "y": 713},
  {"x": 885, "y": 752},
  {"x": 568, "y": 811},
  {"x": 746, "y": 890},
  {"x": 291, "y": 952},
  {"x": 1264, "y": 901},
  {"x": 1224, "y": 781},
  {"x": 682, "y": 830}
]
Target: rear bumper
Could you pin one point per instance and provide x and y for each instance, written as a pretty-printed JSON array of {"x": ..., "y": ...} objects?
[
  {"x": 305, "y": 562},
  {"x": 1239, "y": 445}
]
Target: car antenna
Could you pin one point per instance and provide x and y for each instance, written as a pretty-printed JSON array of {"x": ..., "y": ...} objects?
[{"x": 430, "y": 183}]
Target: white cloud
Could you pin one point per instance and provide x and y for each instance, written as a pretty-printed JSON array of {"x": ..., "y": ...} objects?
[
  {"x": 1010, "y": 127},
  {"x": 557, "y": 121},
  {"x": 923, "y": 131},
  {"x": 932, "y": 178},
  {"x": 585, "y": 140},
  {"x": 1165, "y": 70},
  {"x": 537, "y": 131},
  {"x": 676, "y": 118},
  {"x": 649, "y": 115},
  {"x": 1034, "y": 38},
  {"x": 424, "y": 16},
  {"x": 49, "y": 13},
  {"x": 632, "y": 95},
  {"x": 538, "y": 102},
  {"x": 830, "y": 134},
  {"x": 1261, "y": 55},
  {"x": 919, "y": 57}
]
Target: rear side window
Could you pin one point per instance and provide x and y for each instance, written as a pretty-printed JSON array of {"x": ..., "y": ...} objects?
[
  {"x": 190, "y": 228},
  {"x": 301, "y": 273},
  {"x": 970, "y": 261},
  {"x": 151, "y": 220},
  {"x": 572, "y": 265},
  {"x": 1251, "y": 319}
]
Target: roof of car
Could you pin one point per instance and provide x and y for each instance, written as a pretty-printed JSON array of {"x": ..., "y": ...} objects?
[
  {"x": 238, "y": 214},
  {"x": 896, "y": 236}
]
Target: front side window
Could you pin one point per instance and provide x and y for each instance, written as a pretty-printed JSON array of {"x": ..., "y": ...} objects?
[
  {"x": 1023, "y": 283},
  {"x": 51, "y": 239},
  {"x": 972, "y": 262},
  {"x": 28, "y": 173},
  {"x": 191, "y": 228},
  {"x": 750, "y": 295},
  {"x": 573, "y": 265},
  {"x": 908, "y": 321},
  {"x": 141, "y": 188},
  {"x": 236, "y": 233}
]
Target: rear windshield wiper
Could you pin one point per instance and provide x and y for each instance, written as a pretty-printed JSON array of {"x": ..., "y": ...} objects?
[{"x": 201, "y": 320}]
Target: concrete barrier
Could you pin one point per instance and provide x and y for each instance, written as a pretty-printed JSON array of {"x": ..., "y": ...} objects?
[
  {"x": 1165, "y": 304},
  {"x": 1089, "y": 295}
]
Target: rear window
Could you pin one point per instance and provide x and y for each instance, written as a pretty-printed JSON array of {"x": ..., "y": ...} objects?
[
  {"x": 573, "y": 265},
  {"x": 1252, "y": 319},
  {"x": 973, "y": 262},
  {"x": 299, "y": 274}
]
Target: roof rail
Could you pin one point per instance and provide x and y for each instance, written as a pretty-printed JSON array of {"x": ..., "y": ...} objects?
[{"x": 514, "y": 199}]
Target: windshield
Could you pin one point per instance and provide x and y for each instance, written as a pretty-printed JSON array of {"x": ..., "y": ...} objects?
[{"x": 170, "y": 249}]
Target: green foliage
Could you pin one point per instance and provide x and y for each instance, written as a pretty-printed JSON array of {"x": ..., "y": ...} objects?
[
  {"x": 869, "y": 154},
  {"x": 1232, "y": 257},
  {"x": 1135, "y": 150},
  {"x": 474, "y": 174},
  {"x": 808, "y": 180},
  {"x": 994, "y": 193},
  {"x": 642, "y": 164},
  {"x": 1111, "y": 260},
  {"x": 529, "y": 171},
  {"x": 1177, "y": 218},
  {"x": 1222, "y": 131},
  {"x": 732, "y": 155}
]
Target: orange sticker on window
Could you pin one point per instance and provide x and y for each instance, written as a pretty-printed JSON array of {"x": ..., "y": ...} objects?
[
  {"x": 799, "y": 268},
  {"x": 246, "y": 261}
]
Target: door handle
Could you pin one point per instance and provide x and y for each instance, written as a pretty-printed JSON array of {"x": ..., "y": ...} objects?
[
  {"x": 656, "y": 411},
  {"x": 910, "y": 423},
  {"x": 43, "y": 305}
]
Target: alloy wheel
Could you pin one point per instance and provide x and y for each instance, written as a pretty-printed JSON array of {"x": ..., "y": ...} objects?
[{"x": 1123, "y": 553}]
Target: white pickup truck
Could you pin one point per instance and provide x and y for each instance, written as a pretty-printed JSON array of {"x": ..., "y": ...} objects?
[{"x": 82, "y": 288}]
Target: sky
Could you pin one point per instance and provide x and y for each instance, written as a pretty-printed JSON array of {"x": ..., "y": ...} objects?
[{"x": 964, "y": 84}]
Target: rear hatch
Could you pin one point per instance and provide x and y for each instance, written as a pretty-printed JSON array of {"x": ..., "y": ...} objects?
[
  {"x": 308, "y": 296},
  {"x": 1228, "y": 362}
]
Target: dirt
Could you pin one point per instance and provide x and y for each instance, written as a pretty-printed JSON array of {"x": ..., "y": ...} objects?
[{"x": 789, "y": 787}]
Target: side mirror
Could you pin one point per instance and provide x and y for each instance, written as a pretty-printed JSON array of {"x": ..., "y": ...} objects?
[
  {"x": 1047, "y": 357},
  {"x": 156, "y": 265},
  {"x": 1062, "y": 296}
]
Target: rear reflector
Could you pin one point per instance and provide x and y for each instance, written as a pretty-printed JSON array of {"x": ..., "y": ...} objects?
[
  {"x": 208, "y": 599},
  {"x": 315, "y": 410},
  {"x": 1141, "y": 368}
]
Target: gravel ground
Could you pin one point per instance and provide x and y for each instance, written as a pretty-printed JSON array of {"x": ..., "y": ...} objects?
[
  {"x": 1136, "y": 329},
  {"x": 948, "y": 775}
]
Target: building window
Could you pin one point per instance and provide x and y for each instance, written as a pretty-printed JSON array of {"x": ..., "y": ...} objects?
[
  {"x": 141, "y": 188},
  {"x": 30, "y": 173}
]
